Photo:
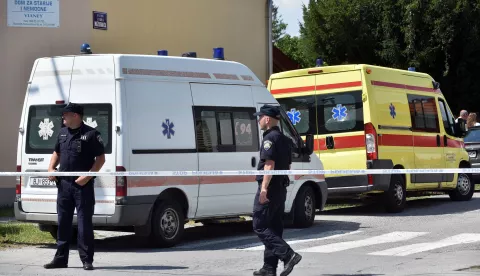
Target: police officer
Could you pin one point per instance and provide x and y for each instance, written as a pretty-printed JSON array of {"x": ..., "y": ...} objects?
[
  {"x": 79, "y": 148},
  {"x": 269, "y": 204}
]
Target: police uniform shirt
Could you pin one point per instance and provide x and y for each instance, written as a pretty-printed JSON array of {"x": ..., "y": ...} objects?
[
  {"x": 78, "y": 148},
  {"x": 276, "y": 147}
]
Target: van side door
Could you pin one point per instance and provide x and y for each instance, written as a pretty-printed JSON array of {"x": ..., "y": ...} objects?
[
  {"x": 427, "y": 140},
  {"x": 451, "y": 145}
]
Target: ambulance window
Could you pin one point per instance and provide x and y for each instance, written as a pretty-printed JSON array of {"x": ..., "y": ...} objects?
[
  {"x": 301, "y": 112},
  {"x": 423, "y": 112},
  {"x": 340, "y": 112},
  {"x": 447, "y": 118},
  {"x": 226, "y": 129},
  {"x": 45, "y": 121}
]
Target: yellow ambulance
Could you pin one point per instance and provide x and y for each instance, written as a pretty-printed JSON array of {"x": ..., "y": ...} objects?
[{"x": 371, "y": 117}]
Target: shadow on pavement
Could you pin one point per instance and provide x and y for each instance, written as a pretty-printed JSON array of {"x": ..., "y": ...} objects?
[
  {"x": 432, "y": 206},
  {"x": 219, "y": 237},
  {"x": 141, "y": 267}
]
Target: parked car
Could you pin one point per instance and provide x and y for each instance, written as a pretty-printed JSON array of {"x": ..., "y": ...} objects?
[{"x": 472, "y": 145}]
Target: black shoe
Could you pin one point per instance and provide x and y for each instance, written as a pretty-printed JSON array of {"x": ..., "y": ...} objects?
[
  {"x": 87, "y": 266},
  {"x": 265, "y": 272},
  {"x": 55, "y": 264},
  {"x": 294, "y": 260}
]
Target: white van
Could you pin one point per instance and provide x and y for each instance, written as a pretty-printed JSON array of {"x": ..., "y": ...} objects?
[{"x": 158, "y": 113}]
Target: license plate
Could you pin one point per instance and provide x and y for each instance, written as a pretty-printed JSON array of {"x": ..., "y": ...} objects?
[
  {"x": 472, "y": 154},
  {"x": 41, "y": 182}
]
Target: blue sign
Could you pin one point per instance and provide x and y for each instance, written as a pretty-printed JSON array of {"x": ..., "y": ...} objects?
[
  {"x": 339, "y": 112},
  {"x": 392, "y": 111},
  {"x": 168, "y": 128},
  {"x": 100, "y": 20},
  {"x": 294, "y": 116}
]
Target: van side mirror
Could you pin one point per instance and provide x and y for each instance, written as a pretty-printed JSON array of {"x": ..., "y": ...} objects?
[
  {"x": 309, "y": 147},
  {"x": 460, "y": 128}
]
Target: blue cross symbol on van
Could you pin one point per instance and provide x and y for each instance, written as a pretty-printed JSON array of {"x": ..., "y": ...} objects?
[
  {"x": 392, "y": 111},
  {"x": 168, "y": 128}
]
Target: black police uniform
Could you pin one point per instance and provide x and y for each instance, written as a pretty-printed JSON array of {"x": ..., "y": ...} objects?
[
  {"x": 77, "y": 149},
  {"x": 268, "y": 217}
]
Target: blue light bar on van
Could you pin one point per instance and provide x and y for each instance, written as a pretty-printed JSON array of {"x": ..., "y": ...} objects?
[
  {"x": 218, "y": 53},
  {"x": 411, "y": 69},
  {"x": 162, "y": 52},
  {"x": 319, "y": 62}
]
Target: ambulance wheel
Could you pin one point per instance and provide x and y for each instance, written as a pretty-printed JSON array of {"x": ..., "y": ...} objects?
[
  {"x": 304, "y": 208},
  {"x": 168, "y": 223},
  {"x": 465, "y": 188},
  {"x": 396, "y": 196}
]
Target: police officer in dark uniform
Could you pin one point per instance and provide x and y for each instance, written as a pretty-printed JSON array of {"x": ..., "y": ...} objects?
[
  {"x": 269, "y": 204},
  {"x": 79, "y": 148}
]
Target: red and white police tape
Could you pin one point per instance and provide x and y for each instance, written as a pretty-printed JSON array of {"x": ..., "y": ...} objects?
[{"x": 246, "y": 172}]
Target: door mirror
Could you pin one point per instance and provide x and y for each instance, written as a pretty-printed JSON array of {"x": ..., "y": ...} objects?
[
  {"x": 309, "y": 147},
  {"x": 460, "y": 128}
]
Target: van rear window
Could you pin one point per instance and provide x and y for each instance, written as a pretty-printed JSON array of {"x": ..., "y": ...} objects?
[
  {"x": 325, "y": 113},
  {"x": 45, "y": 122}
]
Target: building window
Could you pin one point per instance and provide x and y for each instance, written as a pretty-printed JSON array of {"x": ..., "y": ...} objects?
[{"x": 226, "y": 129}]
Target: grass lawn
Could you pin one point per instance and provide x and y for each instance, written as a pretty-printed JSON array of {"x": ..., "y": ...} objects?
[{"x": 14, "y": 234}]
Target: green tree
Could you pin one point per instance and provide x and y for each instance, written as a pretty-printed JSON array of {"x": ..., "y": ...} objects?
[{"x": 279, "y": 27}]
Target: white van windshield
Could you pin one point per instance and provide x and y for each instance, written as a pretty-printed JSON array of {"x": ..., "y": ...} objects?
[{"x": 45, "y": 122}]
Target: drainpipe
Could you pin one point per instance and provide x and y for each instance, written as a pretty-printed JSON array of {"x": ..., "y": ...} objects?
[{"x": 269, "y": 37}]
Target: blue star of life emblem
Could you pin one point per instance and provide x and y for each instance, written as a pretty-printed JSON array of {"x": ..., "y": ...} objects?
[
  {"x": 294, "y": 116},
  {"x": 339, "y": 112},
  {"x": 392, "y": 111},
  {"x": 168, "y": 128}
]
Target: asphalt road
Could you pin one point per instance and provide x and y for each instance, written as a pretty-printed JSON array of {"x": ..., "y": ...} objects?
[{"x": 433, "y": 236}]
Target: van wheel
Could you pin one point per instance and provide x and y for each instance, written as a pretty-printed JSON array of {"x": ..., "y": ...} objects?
[
  {"x": 395, "y": 198},
  {"x": 464, "y": 190},
  {"x": 304, "y": 208},
  {"x": 168, "y": 224}
]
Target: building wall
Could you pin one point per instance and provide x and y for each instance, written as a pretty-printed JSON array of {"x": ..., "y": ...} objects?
[
  {"x": 240, "y": 26},
  {"x": 19, "y": 47}
]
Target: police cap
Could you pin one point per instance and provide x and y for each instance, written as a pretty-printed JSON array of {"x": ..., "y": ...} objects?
[
  {"x": 269, "y": 110},
  {"x": 75, "y": 108}
]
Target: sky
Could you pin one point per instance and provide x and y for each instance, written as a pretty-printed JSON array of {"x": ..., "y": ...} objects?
[{"x": 291, "y": 12}]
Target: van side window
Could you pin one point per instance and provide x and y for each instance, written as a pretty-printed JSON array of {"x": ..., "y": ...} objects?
[
  {"x": 301, "y": 112},
  {"x": 447, "y": 118},
  {"x": 424, "y": 114},
  {"x": 287, "y": 130},
  {"x": 226, "y": 129}
]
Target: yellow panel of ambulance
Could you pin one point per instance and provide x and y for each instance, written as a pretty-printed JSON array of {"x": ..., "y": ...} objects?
[{"x": 370, "y": 117}]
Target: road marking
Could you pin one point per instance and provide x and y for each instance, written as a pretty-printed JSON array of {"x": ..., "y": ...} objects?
[
  {"x": 421, "y": 247},
  {"x": 194, "y": 245},
  {"x": 322, "y": 236},
  {"x": 386, "y": 238}
]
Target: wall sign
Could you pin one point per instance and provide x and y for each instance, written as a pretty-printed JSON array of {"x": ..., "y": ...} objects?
[
  {"x": 100, "y": 20},
  {"x": 33, "y": 13}
]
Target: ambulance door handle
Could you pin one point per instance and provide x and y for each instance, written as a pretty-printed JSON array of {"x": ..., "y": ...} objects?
[
  {"x": 438, "y": 140},
  {"x": 329, "y": 142},
  {"x": 445, "y": 140},
  {"x": 254, "y": 162}
]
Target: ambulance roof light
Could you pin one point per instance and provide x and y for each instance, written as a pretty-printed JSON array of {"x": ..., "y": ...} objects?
[
  {"x": 190, "y": 54},
  {"x": 85, "y": 49},
  {"x": 218, "y": 53},
  {"x": 412, "y": 69},
  {"x": 162, "y": 52},
  {"x": 319, "y": 62}
]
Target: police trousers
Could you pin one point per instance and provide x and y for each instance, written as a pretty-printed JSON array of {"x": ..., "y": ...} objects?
[
  {"x": 72, "y": 196},
  {"x": 268, "y": 225}
]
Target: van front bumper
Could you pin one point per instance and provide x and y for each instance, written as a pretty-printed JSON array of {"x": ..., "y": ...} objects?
[{"x": 125, "y": 215}]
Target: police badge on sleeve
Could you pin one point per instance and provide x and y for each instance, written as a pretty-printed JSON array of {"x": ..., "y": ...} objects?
[
  {"x": 99, "y": 138},
  {"x": 267, "y": 144}
]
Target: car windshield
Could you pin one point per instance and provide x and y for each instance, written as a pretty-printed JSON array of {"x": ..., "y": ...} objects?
[{"x": 473, "y": 136}]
